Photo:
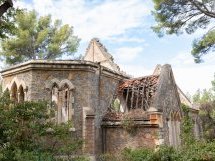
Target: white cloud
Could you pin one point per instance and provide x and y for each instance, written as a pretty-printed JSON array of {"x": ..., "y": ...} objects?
[
  {"x": 191, "y": 76},
  {"x": 109, "y": 19},
  {"x": 127, "y": 54},
  {"x": 127, "y": 39},
  {"x": 190, "y": 79},
  {"x": 135, "y": 70},
  {"x": 104, "y": 20},
  {"x": 183, "y": 58}
]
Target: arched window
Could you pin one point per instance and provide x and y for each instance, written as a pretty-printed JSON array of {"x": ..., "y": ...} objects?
[
  {"x": 65, "y": 111},
  {"x": 171, "y": 129},
  {"x": 61, "y": 99},
  {"x": 196, "y": 128},
  {"x": 174, "y": 124},
  {"x": 54, "y": 96},
  {"x": 54, "y": 100},
  {"x": 14, "y": 93},
  {"x": 21, "y": 94}
]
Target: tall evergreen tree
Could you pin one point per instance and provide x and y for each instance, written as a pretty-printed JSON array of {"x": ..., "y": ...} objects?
[
  {"x": 38, "y": 38},
  {"x": 7, "y": 13},
  {"x": 177, "y": 16}
]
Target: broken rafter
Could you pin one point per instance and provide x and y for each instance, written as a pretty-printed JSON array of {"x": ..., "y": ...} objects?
[
  {"x": 132, "y": 97},
  {"x": 147, "y": 99},
  {"x": 138, "y": 93},
  {"x": 142, "y": 104}
]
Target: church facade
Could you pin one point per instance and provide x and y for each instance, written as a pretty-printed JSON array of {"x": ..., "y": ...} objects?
[{"x": 109, "y": 109}]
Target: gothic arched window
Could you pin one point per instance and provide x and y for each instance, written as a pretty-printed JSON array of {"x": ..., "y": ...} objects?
[
  {"x": 65, "y": 111},
  {"x": 54, "y": 100},
  {"x": 14, "y": 92},
  {"x": 61, "y": 99},
  {"x": 21, "y": 94},
  {"x": 174, "y": 124}
]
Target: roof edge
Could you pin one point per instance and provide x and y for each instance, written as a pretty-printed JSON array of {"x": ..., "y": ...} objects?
[{"x": 32, "y": 63}]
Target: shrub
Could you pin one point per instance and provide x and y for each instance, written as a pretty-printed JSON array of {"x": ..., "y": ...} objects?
[{"x": 24, "y": 133}]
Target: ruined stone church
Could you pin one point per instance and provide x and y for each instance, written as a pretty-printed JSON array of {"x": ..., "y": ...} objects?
[{"x": 109, "y": 109}]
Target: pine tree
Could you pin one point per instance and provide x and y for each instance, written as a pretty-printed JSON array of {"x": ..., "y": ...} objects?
[
  {"x": 7, "y": 13},
  {"x": 38, "y": 38},
  {"x": 177, "y": 16}
]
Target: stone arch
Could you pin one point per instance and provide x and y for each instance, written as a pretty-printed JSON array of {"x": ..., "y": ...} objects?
[
  {"x": 6, "y": 91},
  {"x": 14, "y": 80},
  {"x": 7, "y": 88},
  {"x": 54, "y": 89},
  {"x": 66, "y": 82},
  {"x": 61, "y": 98},
  {"x": 174, "y": 128},
  {"x": 54, "y": 82},
  {"x": 65, "y": 100},
  {"x": 22, "y": 83},
  {"x": 177, "y": 127},
  {"x": 14, "y": 92},
  {"x": 20, "y": 87},
  {"x": 18, "y": 83},
  {"x": 178, "y": 116}
]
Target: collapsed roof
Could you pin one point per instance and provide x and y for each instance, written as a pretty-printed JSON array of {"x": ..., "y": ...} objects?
[{"x": 138, "y": 93}]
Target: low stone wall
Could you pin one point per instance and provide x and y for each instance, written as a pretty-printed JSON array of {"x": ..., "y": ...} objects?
[{"x": 116, "y": 137}]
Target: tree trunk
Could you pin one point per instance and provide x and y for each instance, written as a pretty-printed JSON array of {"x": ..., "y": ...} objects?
[{"x": 5, "y": 6}]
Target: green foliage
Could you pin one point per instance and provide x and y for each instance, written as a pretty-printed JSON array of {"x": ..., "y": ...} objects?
[
  {"x": 190, "y": 150},
  {"x": 198, "y": 151},
  {"x": 213, "y": 84},
  {"x": 177, "y": 16},
  {"x": 207, "y": 115},
  {"x": 116, "y": 105},
  {"x": 38, "y": 38},
  {"x": 7, "y": 24},
  {"x": 109, "y": 157},
  {"x": 0, "y": 89},
  {"x": 137, "y": 155},
  {"x": 203, "y": 96},
  {"x": 165, "y": 153},
  {"x": 206, "y": 101},
  {"x": 27, "y": 133},
  {"x": 203, "y": 45},
  {"x": 129, "y": 125},
  {"x": 187, "y": 135}
]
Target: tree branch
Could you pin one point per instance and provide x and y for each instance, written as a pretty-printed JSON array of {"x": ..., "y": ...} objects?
[
  {"x": 5, "y": 6},
  {"x": 206, "y": 12}
]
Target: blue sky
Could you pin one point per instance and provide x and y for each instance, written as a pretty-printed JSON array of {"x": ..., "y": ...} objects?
[{"x": 124, "y": 28}]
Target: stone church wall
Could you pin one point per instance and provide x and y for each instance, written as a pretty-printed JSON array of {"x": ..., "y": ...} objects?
[
  {"x": 117, "y": 138},
  {"x": 94, "y": 87}
]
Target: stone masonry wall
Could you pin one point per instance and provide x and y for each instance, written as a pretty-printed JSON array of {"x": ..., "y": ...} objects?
[
  {"x": 167, "y": 99},
  {"x": 89, "y": 147},
  {"x": 19, "y": 78},
  {"x": 117, "y": 138},
  {"x": 94, "y": 87}
]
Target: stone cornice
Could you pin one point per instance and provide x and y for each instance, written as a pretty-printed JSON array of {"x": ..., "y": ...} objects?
[
  {"x": 57, "y": 65},
  {"x": 139, "y": 123}
]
